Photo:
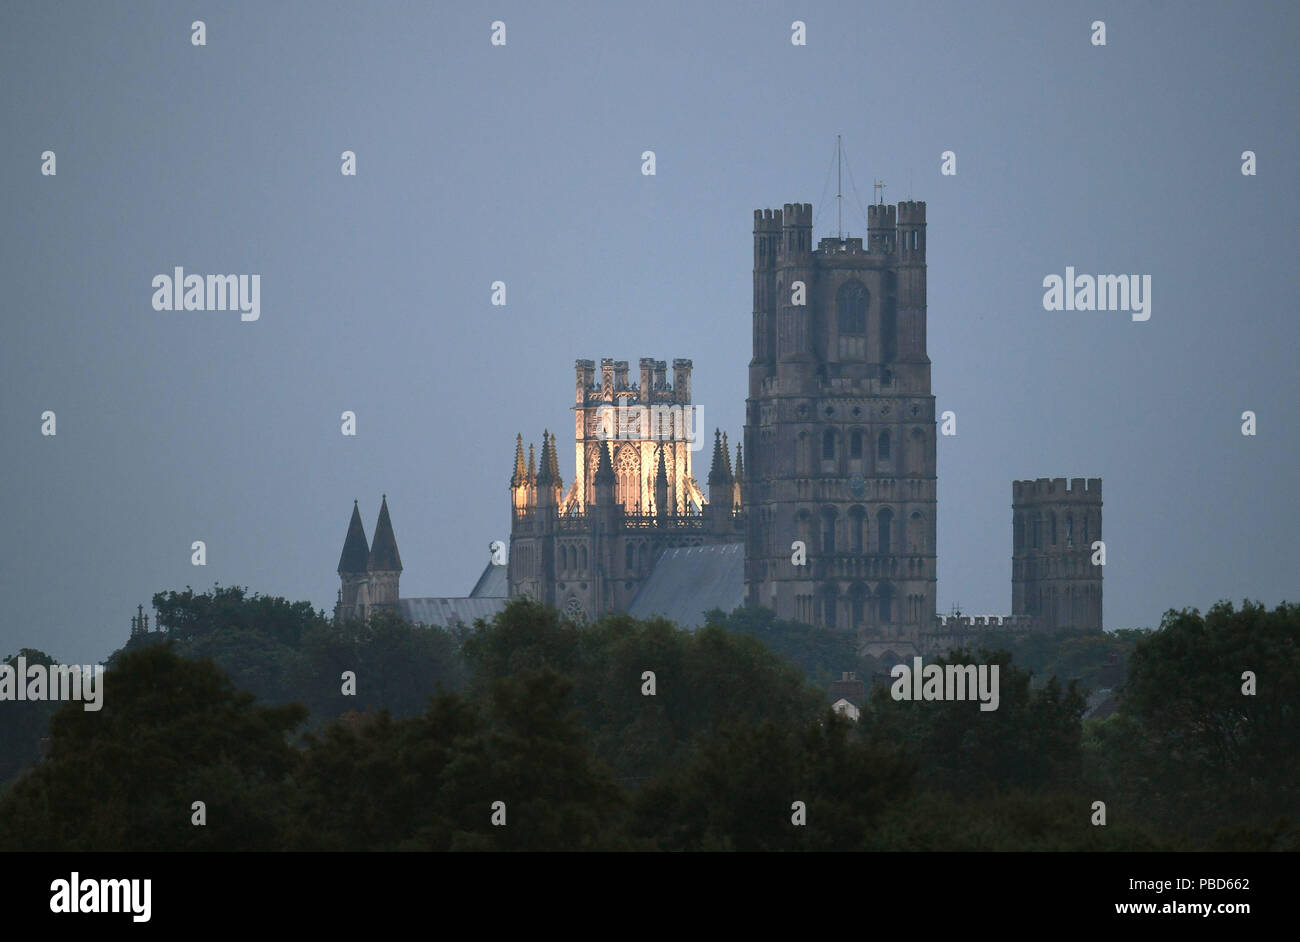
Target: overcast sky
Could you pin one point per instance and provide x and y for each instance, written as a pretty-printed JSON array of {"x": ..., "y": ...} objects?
[{"x": 522, "y": 164}]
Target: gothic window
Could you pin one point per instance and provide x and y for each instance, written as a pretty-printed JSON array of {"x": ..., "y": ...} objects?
[
  {"x": 882, "y": 446},
  {"x": 916, "y": 452},
  {"x": 885, "y": 606},
  {"x": 801, "y": 454},
  {"x": 916, "y": 536},
  {"x": 855, "y": 444},
  {"x": 627, "y": 470},
  {"x": 584, "y": 557},
  {"x": 1020, "y": 531},
  {"x": 828, "y": 444},
  {"x": 629, "y": 556},
  {"x": 1053, "y": 522},
  {"x": 1038, "y": 518},
  {"x": 851, "y": 306},
  {"x": 889, "y": 320},
  {"x": 884, "y": 520},
  {"x": 1069, "y": 529}
]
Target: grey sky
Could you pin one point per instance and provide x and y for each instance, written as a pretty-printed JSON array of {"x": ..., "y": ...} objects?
[{"x": 522, "y": 163}]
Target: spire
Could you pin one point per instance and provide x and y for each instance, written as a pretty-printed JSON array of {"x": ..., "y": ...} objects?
[
  {"x": 662, "y": 504},
  {"x": 740, "y": 462},
  {"x": 604, "y": 467},
  {"x": 356, "y": 551},
  {"x": 532, "y": 466},
  {"x": 517, "y": 479},
  {"x": 544, "y": 466},
  {"x": 718, "y": 473},
  {"x": 555, "y": 465},
  {"x": 383, "y": 552},
  {"x": 726, "y": 458}
]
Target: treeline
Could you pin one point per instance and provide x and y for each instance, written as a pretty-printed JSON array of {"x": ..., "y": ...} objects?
[{"x": 533, "y": 732}]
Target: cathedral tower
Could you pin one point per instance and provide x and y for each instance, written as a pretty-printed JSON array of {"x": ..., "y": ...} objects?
[
  {"x": 1052, "y": 575},
  {"x": 840, "y": 427}
]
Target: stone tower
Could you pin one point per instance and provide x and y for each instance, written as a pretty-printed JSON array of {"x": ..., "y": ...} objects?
[
  {"x": 1053, "y": 579},
  {"x": 840, "y": 426}
]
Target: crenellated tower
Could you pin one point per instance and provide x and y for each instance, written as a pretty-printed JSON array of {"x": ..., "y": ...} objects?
[
  {"x": 840, "y": 427},
  {"x": 1053, "y": 579}
]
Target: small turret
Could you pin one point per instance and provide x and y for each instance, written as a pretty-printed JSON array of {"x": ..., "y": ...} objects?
[
  {"x": 384, "y": 567},
  {"x": 518, "y": 477},
  {"x": 352, "y": 568},
  {"x": 663, "y": 506}
]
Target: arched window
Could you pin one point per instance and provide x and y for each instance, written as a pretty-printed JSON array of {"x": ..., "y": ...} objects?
[
  {"x": 885, "y": 603},
  {"x": 916, "y": 452},
  {"x": 916, "y": 533},
  {"x": 629, "y": 557},
  {"x": 584, "y": 557},
  {"x": 828, "y": 530},
  {"x": 857, "y": 527},
  {"x": 830, "y": 600},
  {"x": 858, "y": 605},
  {"x": 882, "y": 446},
  {"x": 627, "y": 467},
  {"x": 828, "y": 444},
  {"x": 889, "y": 320},
  {"x": 884, "y": 520},
  {"x": 802, "y": 458},
  {"x": 851, "y": 306},
  {"x": 855, "y": 444},
  {"x": 1069, "y": 529},
  {"x": 1038, "y": 519}
]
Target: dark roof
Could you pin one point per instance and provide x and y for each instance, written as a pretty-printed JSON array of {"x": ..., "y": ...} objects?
[
  {"x": 444, "y": 613},
  {"x": 492, "y": 584},
  {"x": 356, "y": 551},
  {"x": 383, "y": 553},
  {"x": 854, "y": 691},
  {"x": 688, "y": 581}
]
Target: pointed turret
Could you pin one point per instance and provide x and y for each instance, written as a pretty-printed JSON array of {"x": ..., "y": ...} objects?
[
  {"x": 532, "y": 466},
  {"x": 356, "y": 551},
  {"x": 383, "y": 552},
  {"x": 555, "y": 465},
  {"x": 352, "y": 570},
  {"x": 604, "y": 467},
  {"x": 662, "y": 505},
  {"x": 518, "y": 477},
  {"x": 544, "y": 466},
  {"x": 726, "y": 458},
  {"x": 718, "y": 471},
  {"x": 738, "y": 487}
]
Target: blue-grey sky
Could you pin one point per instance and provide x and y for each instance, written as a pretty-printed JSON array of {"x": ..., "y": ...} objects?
[{"x": 522, "y": 164}]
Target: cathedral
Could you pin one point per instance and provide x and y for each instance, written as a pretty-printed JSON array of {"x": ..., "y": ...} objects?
[{"x": 827, "y": 513}]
